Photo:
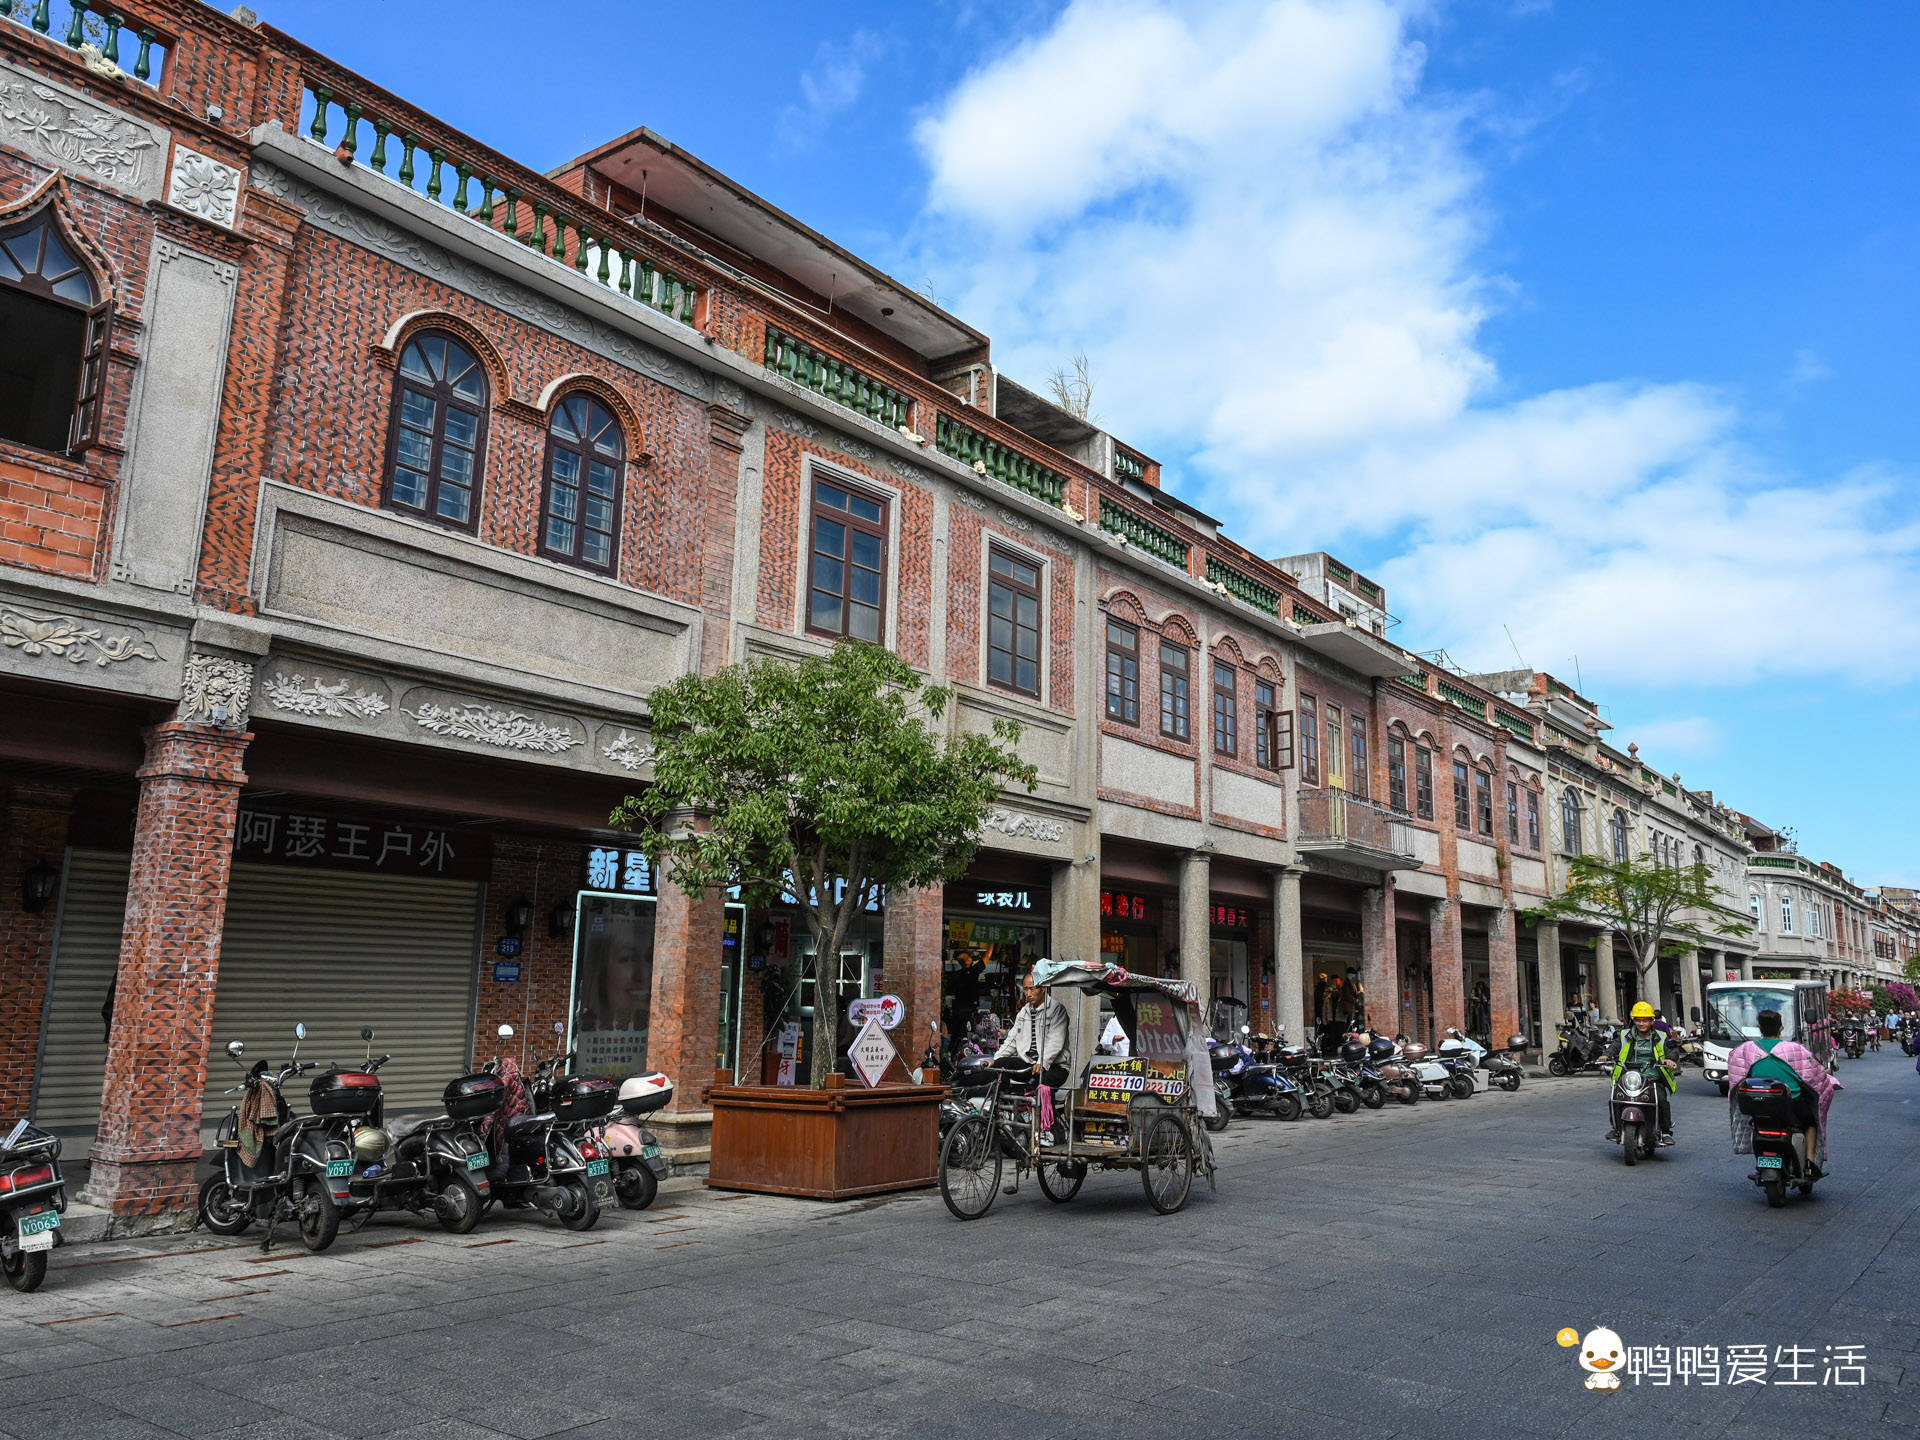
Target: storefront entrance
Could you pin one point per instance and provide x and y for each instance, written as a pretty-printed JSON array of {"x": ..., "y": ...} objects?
[{"x": 994, "y": 932}]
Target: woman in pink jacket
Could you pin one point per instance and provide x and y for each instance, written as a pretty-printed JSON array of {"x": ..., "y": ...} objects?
[{"x": 1771, "y": 1058}]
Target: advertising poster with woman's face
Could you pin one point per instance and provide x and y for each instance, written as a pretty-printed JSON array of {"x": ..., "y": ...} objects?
[{"x": 613, "y": 986}]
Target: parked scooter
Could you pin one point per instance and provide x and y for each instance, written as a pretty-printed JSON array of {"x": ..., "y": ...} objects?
[
  {"x": 1396, "y": 1075},
  {"x": 1495, "y": 1067},
  {"x": 534, "y": 1161},
  {"x": 1244, "y": 1085},
  {"x": 274, "y": 1166},
  {"x": 1780, "y": 1156},
  {"x": 33, "y": 1196},
  {"x": 1436, "y": 1079},
  {"x": 1367, "y": 1082},
  {"x": 1582, "y": 1047}
]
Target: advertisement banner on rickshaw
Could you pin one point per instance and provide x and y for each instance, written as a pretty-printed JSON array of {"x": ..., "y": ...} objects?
[{"x": 1115, "y": 1083}]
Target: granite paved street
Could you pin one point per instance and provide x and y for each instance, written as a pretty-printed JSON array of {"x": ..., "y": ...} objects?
[{"x": 1401, "y": 1273}]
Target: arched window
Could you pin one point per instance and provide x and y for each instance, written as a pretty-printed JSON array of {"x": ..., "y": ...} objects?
[
  {"x": 1754, "y": 907},
  {"x": 53, "y": 338},
  {"x": 1570, "y": 819},
  {"x": 585, "y": 455},
  {"x": 439, "y": 426},
  {"x": 1619, "y": 830},
  {"x": 1786, "y": 913}
]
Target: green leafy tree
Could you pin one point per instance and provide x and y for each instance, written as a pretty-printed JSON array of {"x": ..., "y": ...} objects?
[
  {"x": 827, "y": 779},
  {"x": 1655, "y": 909}
]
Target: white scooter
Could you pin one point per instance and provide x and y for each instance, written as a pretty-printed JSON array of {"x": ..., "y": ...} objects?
[
  {"x": 1491, "y": 1067},
  {"x": 1436, "y": 1080}
]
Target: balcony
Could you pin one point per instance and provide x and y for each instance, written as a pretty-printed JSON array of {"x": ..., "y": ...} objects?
[{"x": 1358, "y": 833}]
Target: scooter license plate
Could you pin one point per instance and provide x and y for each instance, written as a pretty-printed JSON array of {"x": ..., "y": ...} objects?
[
  {"x": 36, "y": 1231},
  {"x": 1769, "y": 1162},
  {"x": 596, "y": 1167},
  {"x": 649, "y": 1152},
  {"x": 477, "y": 1162},
  {"x": 339, "y": 1169}
]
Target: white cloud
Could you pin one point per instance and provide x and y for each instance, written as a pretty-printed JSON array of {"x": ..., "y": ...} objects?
[
  {"x": 1267, "y": 235},
  {"x": 832, "y": 83}
]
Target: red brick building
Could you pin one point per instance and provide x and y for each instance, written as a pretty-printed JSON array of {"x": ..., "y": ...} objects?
[{"x": 363, "y": 482}]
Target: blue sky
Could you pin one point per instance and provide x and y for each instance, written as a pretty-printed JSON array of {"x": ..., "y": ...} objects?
[{"x": 1592, "y": 324}]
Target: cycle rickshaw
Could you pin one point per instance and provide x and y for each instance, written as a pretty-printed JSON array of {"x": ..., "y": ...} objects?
[{"x": 1137, "y": 1113}]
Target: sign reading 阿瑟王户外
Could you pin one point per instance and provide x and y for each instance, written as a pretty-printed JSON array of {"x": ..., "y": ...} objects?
[
  {"x": 390, "y": 847},
  {"x": 871, "y": 1052},
  {"x": 889, "y": 1010}
]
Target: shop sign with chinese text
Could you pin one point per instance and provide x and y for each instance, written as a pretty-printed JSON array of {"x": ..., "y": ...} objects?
[
  {"x": 620, "y": 871},
  {"x": 341, "y": 843},
  {"x": 871, "y": 1052}
]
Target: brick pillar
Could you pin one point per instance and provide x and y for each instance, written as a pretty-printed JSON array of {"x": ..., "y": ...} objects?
[
  {"x": 1608, "y": 996},
  {"x": 915, "y": 925},
  {"x": 1380, "y": 956},
  {"x": 1289, "y": 960},
  {"x": 1449, "y": 976},
  {"x": 34, "y": 831},
  {"x": 725, "y": 427},
  {"x": 147, "y": 1148},
  {"x": 684, "y": 1018},
  {"x": 1503, "y": 977}
]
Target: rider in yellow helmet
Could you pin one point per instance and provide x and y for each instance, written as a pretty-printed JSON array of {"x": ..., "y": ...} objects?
[{"x": 1645, "y": 1049}]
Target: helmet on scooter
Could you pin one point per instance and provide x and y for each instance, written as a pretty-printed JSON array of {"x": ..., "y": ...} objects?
[{"x": 1643, "y": 1011}]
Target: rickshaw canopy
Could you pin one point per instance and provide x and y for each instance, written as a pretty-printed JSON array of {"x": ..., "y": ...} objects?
[{"x": 1174, "y": 1033}]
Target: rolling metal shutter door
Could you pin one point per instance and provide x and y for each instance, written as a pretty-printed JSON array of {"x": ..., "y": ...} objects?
[
  {"x": 93, "y": 905},
  {"x": 337, "y": 951}
]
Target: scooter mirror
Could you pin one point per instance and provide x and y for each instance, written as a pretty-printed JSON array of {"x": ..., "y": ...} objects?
[
  {"x": 1246, "y": 1029},
  {"x": 236, "y": 1048},
  {"x": 300, "y": 1032},
  {"x": 559, "y": 1027},
  {"x": 1696, "y": 1014},
  {"x": 505, "y": 1032},
  {"x": 366, "y": 1032}
]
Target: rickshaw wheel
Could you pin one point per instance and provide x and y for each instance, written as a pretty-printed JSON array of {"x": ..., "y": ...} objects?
[
  {"x": 1060, "y": 1180},
  {"x": 970, "y": 1168},
  {"x": 1166, "y": 1163}
]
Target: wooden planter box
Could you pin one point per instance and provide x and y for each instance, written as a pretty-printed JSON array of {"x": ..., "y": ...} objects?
[{"x": 830, "y": 1144}]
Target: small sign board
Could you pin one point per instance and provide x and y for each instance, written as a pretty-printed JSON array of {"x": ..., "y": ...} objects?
[
  {"x": 889, "y": 1010},
  {"x": 871, "y": 1052},
  {"x": 789, "y": 1051},
  {"x": 508, "y": 945},
  {"x": 506, "y": 972}
]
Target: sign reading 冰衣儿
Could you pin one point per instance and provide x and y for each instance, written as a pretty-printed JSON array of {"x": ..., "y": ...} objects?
[
  {"x": 1003, "y": 899},
  {"x": 610, "y": 867},
  {"x": 871, "y": 1052},
  {"x": 390, "y": 847}
]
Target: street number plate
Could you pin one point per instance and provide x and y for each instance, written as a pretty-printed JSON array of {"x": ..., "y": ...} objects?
[
  {"x": 1768, "y": 1162},
  {"x": 477, "y": 1162},
  {"x": 46, "y": 1222},
  {"x": 596, "y": 1167},
  {"x": 339, "y": 1169}
]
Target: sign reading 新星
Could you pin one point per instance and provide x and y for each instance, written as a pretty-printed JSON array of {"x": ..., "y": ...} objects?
[{"x": 626, "y": 872}]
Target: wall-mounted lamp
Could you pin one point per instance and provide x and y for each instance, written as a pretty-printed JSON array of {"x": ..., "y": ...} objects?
[
  {"x": 520, "y": 916},
  {"x": 560, "y": 921},
  {"x": 38, "y": 886}
]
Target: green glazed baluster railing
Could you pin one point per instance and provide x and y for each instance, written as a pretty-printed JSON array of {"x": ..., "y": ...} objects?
[
  {"x": 1009, "y": 467},
  {"x": 464, "y": 187},
  {"x": 93, "y": 24},
  {"x": 1143, "y": 533},
  {"x": 1243, "y": 587},
  {"x": 838, "y": 381}
]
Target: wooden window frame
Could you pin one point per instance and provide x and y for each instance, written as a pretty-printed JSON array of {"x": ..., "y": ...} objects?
[
  {"x": 1358, "y": 780},
  {"x": 1462, "y": 804},
  {"x": 1226, "y": 710},
  {"x": 586, "y": 455},
  {"x": 1483, "y": 802},
  {"x": 442, "y": 396},
  {"x": 1572, "y": 823},
  {"x": 1035, "y": 592},
  {"x": 1123, "y": 663},
  {"x": 1266, "y": 726},
  {"x": 1618, "y": 828},
  {"x": 96, "y": 326},
  {"x": 1423, "y": 781},
  {"x": 1176, "y": 691},
  {"x": 1397, "y": 774},
  {"x": 1309, "y": 731},
  {"x": 880, "y": 530},
  {"x": 1533, "y": 820},
  {"x": 1513, "y": 812}
]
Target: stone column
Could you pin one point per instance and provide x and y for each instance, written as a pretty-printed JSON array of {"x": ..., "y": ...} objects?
[
  {"x": 1690, "y": 992},
  {"x": 1289, "y": 959},
  {"x": 915, "y": 930},
  {"x": 1503, "y": 977},
  {"x": 146, "y": 1151},
  {"x": 1746, "y": 967},
  {"x": 1196, "y": 953},
  {"x": 1076, "y": 936},
  {"x": 1553, "y": 995},
  {"x": 1607, "y": 992},
  {"x": 1449, "y": 976},
  {"x": 33, "y": 833},
  {"x": 721, "y": 497},
  {"x": 1379, "y": 957}
]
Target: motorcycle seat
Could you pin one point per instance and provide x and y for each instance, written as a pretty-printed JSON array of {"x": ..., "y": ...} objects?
[
  {"x": 400, "y": 1128},
  {"x": 520, "y": 1122}
]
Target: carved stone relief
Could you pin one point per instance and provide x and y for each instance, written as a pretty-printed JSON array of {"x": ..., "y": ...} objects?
[
  {"x": 628, "y": 751},
  {"x": 216, "y": 691},
  {"x": 1023, "y": 826},
  {"x": 492, "y": 725},
  {"x": 65, "y": 129},
  {"x": 335, "y": 699},
  {"x": 70, "y": 639},
  {"x": 201, "y": 185}
]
